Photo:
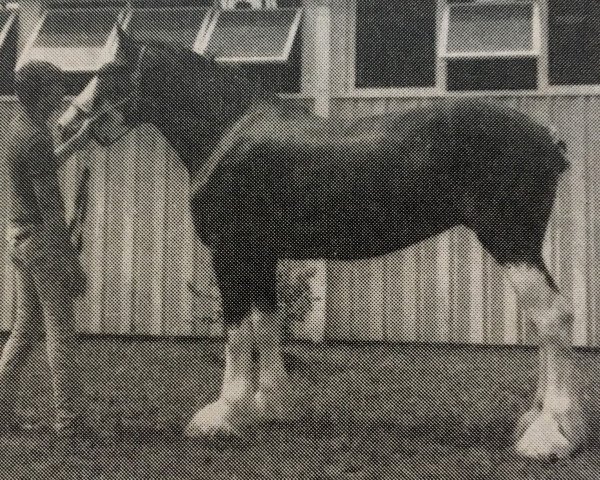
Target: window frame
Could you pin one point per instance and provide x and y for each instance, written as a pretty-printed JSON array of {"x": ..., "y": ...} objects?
[
  {"x": 292, "y": 34},
  {"x": 210, "y": 13},
  {"x": 444, "y": 33},
  {"x": 348, "y": 88},
  {"x": 8, "y": 26},
  {"x": 268, "y": 4},
  {"x": 33, "y": 36}
]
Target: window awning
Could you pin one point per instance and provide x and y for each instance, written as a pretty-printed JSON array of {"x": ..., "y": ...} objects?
[
  {"x": 73, "y": 39},
  {"x": 490, "y": 29},
  {"x": 251, "y": 36},
  {"x": 175, "y": 25},
  {"x": 7, "y": 22}
]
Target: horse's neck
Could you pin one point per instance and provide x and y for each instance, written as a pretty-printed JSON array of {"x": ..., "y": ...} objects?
[{"x": 193, "y": 137}]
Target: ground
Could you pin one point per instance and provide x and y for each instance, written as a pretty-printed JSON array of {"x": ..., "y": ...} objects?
[{"x": 363, "y": 411}]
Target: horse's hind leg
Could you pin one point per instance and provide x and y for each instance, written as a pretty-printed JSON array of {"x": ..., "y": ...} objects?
[
  {"x": 235, "y": 406},
  {"x": 555, "y": 425}
]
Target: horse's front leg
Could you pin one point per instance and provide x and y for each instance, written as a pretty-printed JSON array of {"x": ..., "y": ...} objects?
[
  {"x": 272, "y": 390},
  {"x": 272, "y": 396},
  {"x": 236, "y": 406}
]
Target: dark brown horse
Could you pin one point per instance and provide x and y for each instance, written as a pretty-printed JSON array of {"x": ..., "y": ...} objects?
[{"x": 272, "y": 181}]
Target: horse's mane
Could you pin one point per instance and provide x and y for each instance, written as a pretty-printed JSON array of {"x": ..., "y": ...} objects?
[{"x": 229, "y": 90}]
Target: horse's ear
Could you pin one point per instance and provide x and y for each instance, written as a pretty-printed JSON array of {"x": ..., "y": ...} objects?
[{"x": 120, "y": 45}]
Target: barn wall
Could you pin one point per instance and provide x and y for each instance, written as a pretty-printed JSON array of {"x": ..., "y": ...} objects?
[
  {"x": 140, "y": 252},
  {"x": 447, "y": 289}
]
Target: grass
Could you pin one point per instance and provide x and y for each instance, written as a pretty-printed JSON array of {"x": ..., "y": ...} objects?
[{"x": 371, "y": 411}]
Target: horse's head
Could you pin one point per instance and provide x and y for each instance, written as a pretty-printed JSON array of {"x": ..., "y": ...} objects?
[{"x": 141, "y": 83}]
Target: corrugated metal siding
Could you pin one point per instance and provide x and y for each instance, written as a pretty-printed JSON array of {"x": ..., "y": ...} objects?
[
  {"x": 448, "y": 289},
  {"x": 140, "y": 251}
]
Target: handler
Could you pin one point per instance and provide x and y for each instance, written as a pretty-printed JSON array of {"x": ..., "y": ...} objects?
[{"x": 49, "y": 275}]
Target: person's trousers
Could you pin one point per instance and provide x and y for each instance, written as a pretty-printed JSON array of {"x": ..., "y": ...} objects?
[{"x": 44, "y": 306}]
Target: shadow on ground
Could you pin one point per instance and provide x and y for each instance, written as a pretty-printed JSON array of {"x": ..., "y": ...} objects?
[{"x": 370, "y": 411}]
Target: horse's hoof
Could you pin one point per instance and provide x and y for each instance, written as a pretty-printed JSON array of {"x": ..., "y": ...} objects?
[
  {"x": 525, "y": 422},
  {"x": 221, "y": 418},
  {"x": 273, "y": 405},
  {"x": 548, "y": 436}
]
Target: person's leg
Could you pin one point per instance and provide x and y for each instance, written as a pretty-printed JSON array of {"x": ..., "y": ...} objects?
[
  {"x": 57, "y": 304},
  {"x": 24, "y": 335}
]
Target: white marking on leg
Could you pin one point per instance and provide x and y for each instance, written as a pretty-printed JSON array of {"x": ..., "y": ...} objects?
[
  {"x": 235, "y": 406},
  {"x": 555, "y": 426},
  {"x": 272, "y": 397}
]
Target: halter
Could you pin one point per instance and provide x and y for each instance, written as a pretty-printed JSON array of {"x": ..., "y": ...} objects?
[{"x": 134, "y": 97}]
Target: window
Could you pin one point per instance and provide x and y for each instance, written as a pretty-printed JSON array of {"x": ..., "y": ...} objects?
[
  {"x": 490, "y": 45},
  {"x": 175, "y": 25},
  {"x": 574, "y": 42},
  {"x": 395, "y": 43},
  {"x": 263, "y": 41},
  {"x": 484, "y": 29},
  {"x": 247, "y": 4},
  {"x": 471, "y": 45},
  {"x": 492, "y": 74},
  {"x": 252, "y": 36},
  {"x": 8, "y": 50},
  {"x": 73, "y": 39}
]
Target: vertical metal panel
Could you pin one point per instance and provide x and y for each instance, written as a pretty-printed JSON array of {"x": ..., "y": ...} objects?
[
  {"x": 158, "y": 213},
  {"x": 467, "y": 296},
  {"x": 434, "y": 285},
  {"x": 502, "y": 320},
  {"x": 144, "y": 245},
  {"x": 6, "y": 270},
  {"x": 179, "y": 249},
  {"x": 402, "y": 277},
  {"x": 120, "y": 162},
  {"x": 341, "y": 304},
  {"x": 94, "y": 240},
  {"x": 570, "y": 116},
  {"x": 593, "y": 125},
  {"x": 367, "y": 275},
  {"x": 539, "y": 109}
]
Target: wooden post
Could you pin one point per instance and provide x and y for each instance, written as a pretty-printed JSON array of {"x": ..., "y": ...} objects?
[
  {"x": 322, "y": 60},
  {"x": 320, "y": 17}
]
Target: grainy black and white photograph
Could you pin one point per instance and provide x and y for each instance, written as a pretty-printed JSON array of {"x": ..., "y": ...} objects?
[{"x": 300, "y": 239}]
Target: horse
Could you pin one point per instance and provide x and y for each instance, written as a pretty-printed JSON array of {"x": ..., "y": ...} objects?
[{"x": 273, "y": 181}]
